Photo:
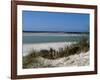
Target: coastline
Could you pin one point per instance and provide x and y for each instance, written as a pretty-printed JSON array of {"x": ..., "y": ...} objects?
[
  {"x": 55, "y": 45},
  {"x": 53, "y": 34}
]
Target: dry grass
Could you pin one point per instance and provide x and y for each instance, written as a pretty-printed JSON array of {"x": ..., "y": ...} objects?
[{"x": 81, "y": 46}]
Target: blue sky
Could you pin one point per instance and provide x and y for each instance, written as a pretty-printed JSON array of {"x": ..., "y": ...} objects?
[{"x": 55, "y": 21}]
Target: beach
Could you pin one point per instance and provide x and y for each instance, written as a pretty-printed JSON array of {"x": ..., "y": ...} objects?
[
  {"x": 80, "y": 59},
  {"x": 27, "y": 48}
]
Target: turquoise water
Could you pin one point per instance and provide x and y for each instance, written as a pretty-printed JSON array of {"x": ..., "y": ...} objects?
[{"x": 45, "y": 38}]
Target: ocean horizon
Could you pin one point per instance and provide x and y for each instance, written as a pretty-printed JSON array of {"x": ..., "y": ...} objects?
[{"x": 33, "y": 38}]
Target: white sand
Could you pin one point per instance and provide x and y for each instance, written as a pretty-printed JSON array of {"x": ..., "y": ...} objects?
[
  {"x": 27, "y": 48},
  {"x": 81, "y": 59}
]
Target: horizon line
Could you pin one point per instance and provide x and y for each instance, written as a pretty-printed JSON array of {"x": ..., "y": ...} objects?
[{"x": 61, "y": 31}]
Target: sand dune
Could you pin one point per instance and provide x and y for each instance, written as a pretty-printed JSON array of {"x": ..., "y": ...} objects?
[{"x": 81, "y": 59}]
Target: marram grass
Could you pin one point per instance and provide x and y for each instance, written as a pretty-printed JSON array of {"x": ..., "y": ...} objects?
[{"x": 76, "y": 48}]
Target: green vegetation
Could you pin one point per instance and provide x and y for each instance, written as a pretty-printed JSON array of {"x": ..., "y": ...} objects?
[{"x": 32, "y": 58}]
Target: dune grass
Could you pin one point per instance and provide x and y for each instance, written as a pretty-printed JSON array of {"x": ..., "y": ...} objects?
[{"x": 81, "y": 46}]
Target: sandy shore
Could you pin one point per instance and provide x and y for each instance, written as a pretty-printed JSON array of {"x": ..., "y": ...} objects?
[{"x": 27, "y": 48}]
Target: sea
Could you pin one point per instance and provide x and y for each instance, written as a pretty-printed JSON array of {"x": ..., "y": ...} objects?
[{"x": 35, "y": 38}]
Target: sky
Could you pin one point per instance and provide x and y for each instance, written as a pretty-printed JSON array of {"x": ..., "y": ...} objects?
[{"x": 55, "y": 21}]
